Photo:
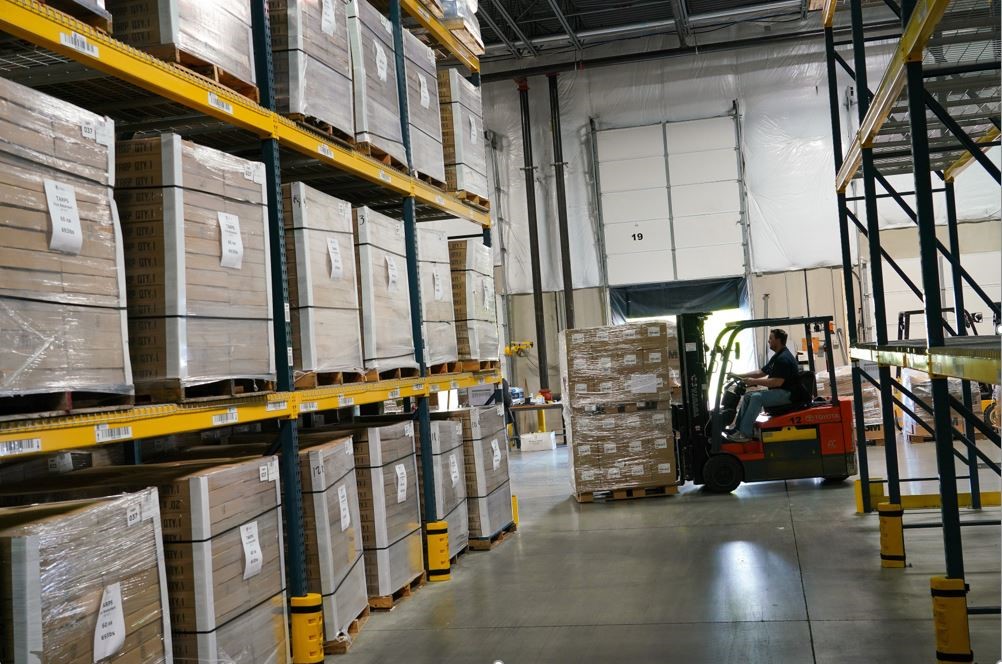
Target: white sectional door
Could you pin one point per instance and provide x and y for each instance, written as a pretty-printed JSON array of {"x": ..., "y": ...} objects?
[{"x": 671, "y": 199}]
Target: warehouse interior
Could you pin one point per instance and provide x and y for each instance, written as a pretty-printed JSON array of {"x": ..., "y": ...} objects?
[{"x": 500, "y": 331}]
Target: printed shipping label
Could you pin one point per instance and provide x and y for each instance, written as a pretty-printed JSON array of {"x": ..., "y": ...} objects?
[
  {"x": 392, "y": 275},
  {"x": 425, "y": 96},
  {"x": 61, "y": 463},
  {"x": 253, "y": 558},
  {"x": 231, "y": 416},
  {"x": 67, "y": 236},
  {"x": 643, "y": 383},
  {"x": 231, "y": 246},
  {"x": 133, "y": 515},
  {"x": 401, "y": 483},
  {"x": 453, "y": 469},
  {"x": 109, "y": 635},
  {"x": 497, "y": 453},
  {"x": 334, "y": 251},
  {"x": 584, "y": 450},
  {"x": 664, "y": 468},
  {"x": 655, "y": 358},
  {"x": 653, "y": 331},
  {"x": 436, "y": 281},
  {"x": 637, "y": 469},
  {"x": 473, "y": 130},
  {"x": 78, "y": 42},
  {"x": 342, "y": 500},
  {"x": 380, "y": 60},
  {"x": 104, "y": 433},
  {"x": 327, "y": 18},
  {"x": 217, "y": 102},
  {"x": 661, "y": 444},
  {"x": 630, "y": 360},
  {"x": 636, "y": 446},
  {"x": 609, "y": 448}
]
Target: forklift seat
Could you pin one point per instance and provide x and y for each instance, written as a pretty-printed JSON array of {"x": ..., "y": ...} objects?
[{"x": 808, "y": 390}]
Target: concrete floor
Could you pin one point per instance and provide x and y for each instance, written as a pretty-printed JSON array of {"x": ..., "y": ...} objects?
[{"x": 781, "y": 572}]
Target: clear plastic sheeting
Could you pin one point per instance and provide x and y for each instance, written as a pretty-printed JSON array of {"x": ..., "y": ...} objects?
[
  {"x": 463, "y": 133},
  {"x": 438, "y": 319},
  {"x": 83, "y": 581},
  {"x": 490, "y": 514},
  {"x": 463, "y": 14},
  {"x": 920, "y": 385},
  {"x": 843, "y": 386},
  {"x": 473, "y": 299},
  {"x": 786, "y": 145},
  {"x": 423, "y": 108}
]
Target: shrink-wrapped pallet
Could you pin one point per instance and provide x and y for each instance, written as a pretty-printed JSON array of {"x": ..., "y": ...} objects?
[
  {"x": 490, "y": 514},
  {"x": 390, "y": 506},
  {"x": 387, "y": 342},
  {"x": 473, "y": 300},
  {"x": 462, "y": 134},
  {"x": 374, "y": 76},
  {"x": 309, "y": 41},
  {"x": 460, "y": 16},
  {"x": 485, "y": 452},
  {"x": 198, "y": 270},
  {"x": 189, "y": 31},
  {"x": 920, "y": 385},
  {"x": 423, "y": 109},
  {"x": 62, "y": 295},
  {"x": 83, "y": 581},
  {"x": 323, "y": 287},
  {"x": 438, "y": 316},
  {"x": 448, "y": 461},
  {"x": 843, "y": 384}
]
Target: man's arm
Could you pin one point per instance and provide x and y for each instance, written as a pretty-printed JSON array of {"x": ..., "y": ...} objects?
[
  {"x": 758, "y": 373},
  {"x": 764, "y": 382}
]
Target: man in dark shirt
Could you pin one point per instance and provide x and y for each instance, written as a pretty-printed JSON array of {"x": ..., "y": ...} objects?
[{"x": 779, "y": 375}]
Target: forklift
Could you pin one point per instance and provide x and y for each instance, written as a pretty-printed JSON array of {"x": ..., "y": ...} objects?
[{"x": 813, "y": 438}]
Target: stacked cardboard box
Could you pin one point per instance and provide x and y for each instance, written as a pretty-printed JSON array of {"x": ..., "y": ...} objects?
[
  {"x": 197, "y": 270},
  {"x": 62, "y": 298},
  {"x": 332, "y": 529},
  {"x": 473, "y": 299},
  {"x": 387, "y": 342},
  {"x": 461, "y": 19},
  {"x": 462, "y": 134},
  {"x": 374, "y": 75},
  {"x": 223, "y": 545},
  {"x": 83, "y": 581},
  {"x": 309, "y": 41},
  {"x": 843, "y": 385},
  {"x": 449, "y": 465},
  {"x": 616, "y": 386},
  {"x": 44, "y": 466},
  {"x": 215, "y": 33},
  {"x": 323, "y": 286},
  {"x": 423, "y": 109},
  {"x": 390, "y": 506},
  {"x": 485, "y": 451},
  {"x": 920, "y": 385},
  {"x": 438, "y": 316}
]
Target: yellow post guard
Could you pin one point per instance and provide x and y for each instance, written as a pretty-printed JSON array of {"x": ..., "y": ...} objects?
[
  {"x": 949, "y": 614},
  {"x": 437, "y": 538},
  {"x": 892, "y": 535},
  {"x": 876, "y": 494},
  {"x": 514, "y": 509},
  {"x": 307, "y": 617}
]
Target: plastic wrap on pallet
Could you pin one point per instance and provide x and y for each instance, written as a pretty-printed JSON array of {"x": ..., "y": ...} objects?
[
  {"x": 390, "y": 569},
  {"x": 473, "y": 299},
  {"x": 461, "y": 18},
  {"x": 259, "y": 636},
  {"x": 490, "y": 514},
  {"x": 387, "y": 342},
  {"x": 84, "y": 581},
  {"x": 458, "y": 522},
  {"x": 436, "y": 297},
  {"x": 374, "y": 76},
  {"x": 217, "y": 33},
  {"x": 843, "y": 385},
  {"x": 423, "y": 108},
  {"x": 198, "y": 273},
  {"x": 480, "y": 421},
  {"x": 920, "y": 385},
  {"x": 462, "y": 133},
  {"x": 62, "y": 294},
  {"x": 449, "y": 466},
  {"x": 44, "y": 466},
  {"x": 323, "y": 285}
]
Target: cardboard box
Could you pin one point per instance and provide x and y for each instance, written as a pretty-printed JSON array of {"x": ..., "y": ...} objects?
[
  {"x": 538, "y": 442},
  {"x": 60, "y": 563},
  {"x": 436, "y": 297},
  {"x": 462, "y": 134},
  {"x": 458, "y": 523},
  {"x": 473, "y": 300},
  {"x": 423, "y": 108},
  {"x": 449, "y": 466},
  {"x": 260, "y": 635},
  {"x": 390, "y": 569},
  {"x": 490, "y": 514}
]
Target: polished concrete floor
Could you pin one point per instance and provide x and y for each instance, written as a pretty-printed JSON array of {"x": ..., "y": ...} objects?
[{"x": 775, "y": 573}]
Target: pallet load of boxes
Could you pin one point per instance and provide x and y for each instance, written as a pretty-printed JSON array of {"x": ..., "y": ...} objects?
[{"x": 138, "y": 272}]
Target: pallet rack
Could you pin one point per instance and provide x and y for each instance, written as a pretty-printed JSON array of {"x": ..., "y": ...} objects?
[
  {"x": 935, "y": 110},
  {"x": 51, "y": 51}
]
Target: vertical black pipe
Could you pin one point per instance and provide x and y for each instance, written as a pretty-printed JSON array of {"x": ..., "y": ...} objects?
[
  {"x": 876, "y": 268},
  {"x": 287, "y": 434},
  {"x": 558, "y": 172},
  {"x": 958, "y": 306},
  {"x": 530, "y": 203}
]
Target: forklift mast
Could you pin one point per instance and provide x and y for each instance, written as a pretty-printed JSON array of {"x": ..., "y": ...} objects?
[{"x": 691, "y": 418}]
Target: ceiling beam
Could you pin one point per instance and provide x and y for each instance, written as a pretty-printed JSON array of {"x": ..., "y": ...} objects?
[
  {"x": 565, "y": 24},
  {"x": 682, "y": 27},
  {"x": 514, "y": 26},
  {"x": 501, "y": 35}
]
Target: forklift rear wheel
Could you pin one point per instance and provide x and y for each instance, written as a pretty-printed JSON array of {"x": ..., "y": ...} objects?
[{"x": 722, "y": 473}]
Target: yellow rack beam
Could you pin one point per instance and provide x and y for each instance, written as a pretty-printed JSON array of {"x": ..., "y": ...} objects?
[
  {"x": 957, "y": 167},
  {"x": 937, "y": 361},
  {"x": 58, "y": 32},
  {"x": 74, "y": 431},
  {"x": 924, "y": 19},
  {"x": 828, "y": 13},
  {"x": 441, "y": 34}
]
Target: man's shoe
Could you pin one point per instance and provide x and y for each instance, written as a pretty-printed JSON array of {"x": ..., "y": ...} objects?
[{"x": 738, "y": 437}]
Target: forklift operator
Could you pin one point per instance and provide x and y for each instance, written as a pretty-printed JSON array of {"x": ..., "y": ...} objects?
[{"x": 780, "y": 375}]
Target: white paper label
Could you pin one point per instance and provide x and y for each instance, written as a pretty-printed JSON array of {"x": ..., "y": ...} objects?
[
  {"x": 61, "y": 199},
  {"x": 109, "y": 635},
  {"x": 392, "y": 276},
  {"x": 276, "y": 405},
  {"x": 661, "y": 444},
  {"x": 309, "y": 406},
  {"x": 408, "y": 429},
  {"x": 334, "y": 251},
  {"x": 488, "y": 295},
  {"x": 630, "y": 333},
  {"x": 605, "y": 363},
  {"x": 630, "y": 360},
  {"x": 342, "y": 500},
  {"x": 453, "y": 469},
  {"x": 500, "y": 410},
  {"x": 61, "y": 463},
  {"x": 273, "y": 470},
  {"x": 231, "y": 416},
  {"x": 436, "y": 282},
  {"x": 664, "y": 468},
  {"x": 643, "y": 383},
  {"x": 473, "y": 130},
  {"x": 613, "y": 473},
  {"x": 262, "y": 473},
  {"x": 133, "y": 515},
  {"x": 587, "y": 475},
  {"x": 344, "y": 402},
  {"x": 660, "y": 419},
  {"x": 637, "y": 469},
  {"x": 655, "y": 357},
  {"x": 653, "y": 331},
  {"x": 217, "y": 102},
  {"x": 78, "y": 42},
  {"x": 609, "y": 448},
  {"x": 602, "y": 335},
  {"x": 581, "y": 387},
  {"x": 380, "y": 60},
  {"x": 325, "y": 150},
  {"x": 425, "y": 95},
  {"x": 231, "y": 246},
  {"x": 327, "y": 18},
  {"x": 584, "y": 450},
  {"x": 497, "y": 453},
  {"x": 253, "y": 559},
  {"x": 636, "y": 446},
  {"x": 401, "y": 483},
  {"x": 691, "y": 347},
  {"x": 104, "y": 433},
  {"x": 87, "y": 130}
]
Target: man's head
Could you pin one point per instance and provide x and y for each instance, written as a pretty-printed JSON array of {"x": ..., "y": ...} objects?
[{"x": 777, "y": 340}]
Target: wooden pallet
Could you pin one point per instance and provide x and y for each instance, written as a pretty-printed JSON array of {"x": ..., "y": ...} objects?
[
  {"x": 343, "y": 643},
  {"x": 477, "y": 365},
  {"x": 381, "y": 156},
  {"x": 387, "y": 602},
  {"x": 459, "y": 30},
  {"x": 444, "y": 368},
  {"x": 56, "y": 404},
  {"x": 173, "y": 391},
  {"x": 311, "y": 380},
  {"x": 402, "y": 372},
  {"x": 208, "y": 70},
  {"x": 473, "y": 199},
  {"x": 424, "y": 177},
  {"x": 339, "y": 135},
  {"x": 626, "y": 494},
  {"x": 488, "y": 543},
  {"x": 85, "y": 11}
]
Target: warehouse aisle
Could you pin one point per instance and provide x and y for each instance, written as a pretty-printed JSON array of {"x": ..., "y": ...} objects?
[{"x": 777, "y": 573}]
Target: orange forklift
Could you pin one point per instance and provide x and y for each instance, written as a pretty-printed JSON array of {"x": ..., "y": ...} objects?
[{"x": 801, "y": 440}]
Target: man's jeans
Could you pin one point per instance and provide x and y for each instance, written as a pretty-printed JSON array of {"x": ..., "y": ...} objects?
[{"x": 753, "y": 403}]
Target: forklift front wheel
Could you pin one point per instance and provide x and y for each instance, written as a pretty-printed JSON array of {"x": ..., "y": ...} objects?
[{"x": 722, "y": 473}]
